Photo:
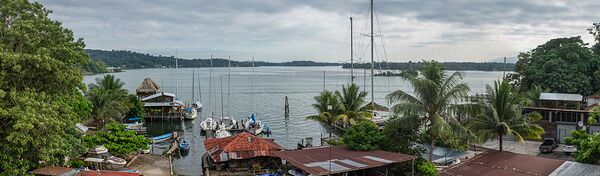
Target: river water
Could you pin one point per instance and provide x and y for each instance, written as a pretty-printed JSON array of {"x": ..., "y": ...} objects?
[{"x": 264, "y": 96}]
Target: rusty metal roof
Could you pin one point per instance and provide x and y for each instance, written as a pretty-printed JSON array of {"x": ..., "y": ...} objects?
[
  {"x": 495, "y": 163},
  {"x": 54, "y": 170},
  {"x": 106, "y": 173},
  {"x": 240, "y": 146},
  {"x": 316, "y": 161}
]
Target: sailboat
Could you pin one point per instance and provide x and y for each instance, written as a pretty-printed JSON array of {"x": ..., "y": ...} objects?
[
  {"x": 209, "y": 123},
  {"x": 253, "y": 125},
  {"x": 191, "y": 111},
  {"x": 198, "y": 104},
  {"x": 227, "y": 121}
]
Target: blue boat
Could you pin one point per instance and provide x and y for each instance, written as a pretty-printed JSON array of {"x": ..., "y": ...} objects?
[
  {"x": 161, "y": 138},
  {"x": 184, "y": 146}
]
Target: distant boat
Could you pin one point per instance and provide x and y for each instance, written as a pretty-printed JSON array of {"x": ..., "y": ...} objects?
[
  {"x": 184, "y": 146},
  {"x": 190, "y": 113},
  {"x": 208, "y": 124},
  {"x": 222, "y": 133},
  {"x": 161, "y": 138}
]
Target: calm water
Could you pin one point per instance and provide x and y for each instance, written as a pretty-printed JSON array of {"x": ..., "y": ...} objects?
[{"x": 271, "y": 85}]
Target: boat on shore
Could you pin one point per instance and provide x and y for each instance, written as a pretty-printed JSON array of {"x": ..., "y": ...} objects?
[
  {"x": 100, "y": 154},
  {"x": 161, "y": 138},
  {"x": 209, "y": 124}
]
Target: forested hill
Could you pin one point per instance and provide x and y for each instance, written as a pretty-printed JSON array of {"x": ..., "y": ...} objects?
[
  {"x": 131, "y": 60},
  {"x": 481, "y": 66}
]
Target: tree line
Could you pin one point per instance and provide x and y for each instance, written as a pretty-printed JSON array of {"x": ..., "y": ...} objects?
[
  {"x": 134, "y": 60},
  {"x": 479, "y": 66}
]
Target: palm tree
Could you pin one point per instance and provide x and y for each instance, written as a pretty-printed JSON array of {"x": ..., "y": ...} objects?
[
  {"x": 431, "y": 106},
  {"x": 328, "y": 108},
  {"x": 108, "y": 98},
  {"x": 352, "y": 102},
  {"x": 502, "y": 116}
]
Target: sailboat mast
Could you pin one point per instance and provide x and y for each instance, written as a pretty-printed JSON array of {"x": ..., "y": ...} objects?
[
  {"x": 252, "y": 85},
  {"x": 222, "y": 104},
  {"x": 176, "y": 74},
  {"x": 210, "y": 85},
  {"x": 372, "y": 60},
  {"x": 193, "y": 84},
  {"x": 228, "y": 86},
  {"x": 351, "y": 54}
]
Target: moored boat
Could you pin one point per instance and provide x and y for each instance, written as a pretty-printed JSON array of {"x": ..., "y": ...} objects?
[
  {"x": 227, "y": 123},
  {"x": 253, "y": 125},
  {"x": 161, "y": 138},
  {"x": 190, "y": 113},
  {"x": 208, "y": 124},
  {"x": 222, "y": 133},
  {"x": 184, "y": 146}
]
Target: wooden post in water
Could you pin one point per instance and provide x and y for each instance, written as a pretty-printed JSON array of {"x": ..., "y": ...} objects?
[{"x": 287, "y": 108}]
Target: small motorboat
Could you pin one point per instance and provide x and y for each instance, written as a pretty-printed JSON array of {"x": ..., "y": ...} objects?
[
  {"x": 161, "y": 138},
  {"x": 209, "y": 124},
  {"x": 227, "y": 123},
  {"x": 222, "y": 133},
  {"x": 184, "y": 146},
  {"x": 190, "y": 113},
  {"x": 198, "y": 106}
]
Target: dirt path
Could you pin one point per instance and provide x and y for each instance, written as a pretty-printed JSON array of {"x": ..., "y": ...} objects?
[{"x": 152, "y": 165}]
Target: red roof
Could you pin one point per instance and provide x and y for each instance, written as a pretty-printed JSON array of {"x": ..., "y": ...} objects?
[
  {"x": 495, "y": 163},
  {"x": 240, "y": 146},
  {"x": 315, "y": 161},
  {"x": 106, "y": 173}
]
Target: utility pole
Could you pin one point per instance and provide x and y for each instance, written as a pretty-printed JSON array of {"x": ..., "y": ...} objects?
[
  {"x": 372, "y": 61},
  {"x": 351, "y": 54}
]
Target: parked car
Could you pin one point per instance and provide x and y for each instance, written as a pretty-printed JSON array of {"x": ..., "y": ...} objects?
[
  {"x": 548, "y": 145},
  {"x": 568, "y": 149}
]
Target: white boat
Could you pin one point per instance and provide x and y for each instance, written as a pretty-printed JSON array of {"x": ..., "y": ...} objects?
[
  {"x": 222, "y": 133},
  {"x": 198, "y": 105},
  {"x": 253, "y": 125},
  {"x": 209, "y": 124},
  {"x": 227, "y": 123},
  {"x": 190, "y": 113},
  {"x": 101, "y": 154}
]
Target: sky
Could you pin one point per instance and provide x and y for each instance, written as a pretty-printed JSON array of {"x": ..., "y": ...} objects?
[{"x": 319, "y": 30}]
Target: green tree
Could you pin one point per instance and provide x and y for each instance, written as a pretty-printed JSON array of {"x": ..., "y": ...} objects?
[
  {"x": 328, "y": 108},
  {"x": 40, "y": 85},
  {"x": 435, "y": 96},
  {"x": 595, "y": 31},
  {"x": 352, "y": 102},
  {"x": 109, "y": 100},
  {"x": 364, "y": 136},
  {"x": 117, "y": 140},
  {"x": 137, "y": 107},
  {"x": 502, "y": 115},
  {"x": 564, "y": 65},
  {"x": 588, "y": 146}
]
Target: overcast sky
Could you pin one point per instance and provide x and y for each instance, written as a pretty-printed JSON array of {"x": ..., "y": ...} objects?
[{"x": 284, "y": 30}]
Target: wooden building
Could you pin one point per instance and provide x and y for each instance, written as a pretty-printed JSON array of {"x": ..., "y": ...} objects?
[
  {"x": 561, "y": 114},
  {"x": 158, "y": 104}
]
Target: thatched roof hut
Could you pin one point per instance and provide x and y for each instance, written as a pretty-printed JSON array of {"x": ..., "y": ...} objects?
[{"x": 148, "y": 87}]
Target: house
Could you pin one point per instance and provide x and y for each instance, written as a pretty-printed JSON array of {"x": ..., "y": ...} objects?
[
  {"x": 163, "y": 105},
  {"x": 339, "y": 160},
  {"x": 561, "y": 114},
  {"x": 240, "y": 151},
  {"x": 496, "y": 163}
]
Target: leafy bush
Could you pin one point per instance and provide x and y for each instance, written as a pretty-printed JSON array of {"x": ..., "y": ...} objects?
[
  {"x": 427, "y": 168},
  {"x": 117, "y": 140},
  {"x": 364, "y": 136},
  {"x": 588, "y": 146},
  {"x": 75, "y": 163}
]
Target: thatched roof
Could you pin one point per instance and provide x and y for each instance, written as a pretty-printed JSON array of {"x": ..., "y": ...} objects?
[{"x": 148, "y": 86}]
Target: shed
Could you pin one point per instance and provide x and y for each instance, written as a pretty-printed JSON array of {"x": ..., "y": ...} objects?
[
  {"x": 496, "y": 163},
  {"x": 241, "y": 146},
  {"x": 339, "y": 159}
]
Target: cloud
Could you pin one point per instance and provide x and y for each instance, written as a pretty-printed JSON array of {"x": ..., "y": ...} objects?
[{"x": 282, "y": 30}]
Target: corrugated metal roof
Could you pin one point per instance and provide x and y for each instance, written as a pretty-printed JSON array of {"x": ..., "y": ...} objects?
[
  {"x": 240, "y": 146},
  {"x": 495, "y": 163},
  {"x": 156, "y": 95},
  {"x": 561, "y": 97},
  {"x": 574, "y": 168},
  {"x": 54, "y": 171},
  {"x": 316, "y": 161}
]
